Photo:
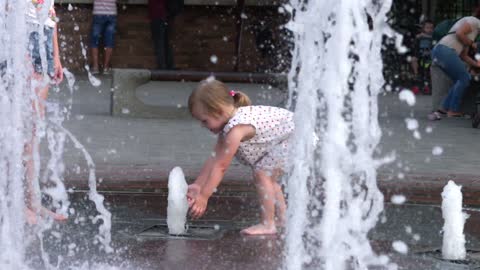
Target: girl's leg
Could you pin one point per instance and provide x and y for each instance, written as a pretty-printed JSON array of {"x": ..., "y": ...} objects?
[
  {"x": 32, "y": 196},
  {"x": 32, "y": 189},
  {"x": 33, "y": 200},
  {"x": 281, "y": 205},
  {"x": 266, "y": 192}
]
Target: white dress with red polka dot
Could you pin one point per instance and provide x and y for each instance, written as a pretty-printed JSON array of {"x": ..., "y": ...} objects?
[{"x": 268, "y": 149}]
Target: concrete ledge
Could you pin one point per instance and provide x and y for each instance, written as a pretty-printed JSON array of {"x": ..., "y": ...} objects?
[
  {"x": 417, "y": 188},
  {"x": 126, "y": 103},
  {"x": 441, "y": 83},
  {"x": 124, "y": 100},
  {"x": 277, "y": 80},
  {"x": 164, "y": 94},
  {"x": 188, "y": 2}
]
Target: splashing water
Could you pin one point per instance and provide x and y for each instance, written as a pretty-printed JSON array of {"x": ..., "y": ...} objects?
[
  {"x": 334, "y": 81},
  {"x": 177, "y": 202},
  {"x": 19, "y": 125},
  {"x": 453, "y": 244},
  {"x": 11, "y": 140}
]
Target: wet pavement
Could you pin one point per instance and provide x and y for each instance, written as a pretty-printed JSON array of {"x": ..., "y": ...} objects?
[
  {"x": 134, "y": 156},
  {"x": 134, "y": 214},
  {"x": 128, "y": 150}
]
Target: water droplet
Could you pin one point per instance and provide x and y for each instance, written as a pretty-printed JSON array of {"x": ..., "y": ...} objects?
[
  {"x": 437, "y": 151},
  {"x": 407, "y": 96},
  {"x": 400, "y": 247},
  {"x": 398, "y": 199},
  {"x": 213, "y": 59}
]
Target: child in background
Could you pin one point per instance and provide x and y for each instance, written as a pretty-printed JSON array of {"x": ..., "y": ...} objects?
[
  {"x": 421, "y": 60},
  {"x": 258, "y": 136}
]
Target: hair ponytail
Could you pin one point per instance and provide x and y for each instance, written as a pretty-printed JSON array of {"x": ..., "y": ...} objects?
[
  {"x": 213, "y": 96},
  {"x": 241, "y": 99}
]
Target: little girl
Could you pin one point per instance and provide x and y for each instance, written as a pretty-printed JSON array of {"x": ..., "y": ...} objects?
[
  {"x": 40, "y": 17},
  {"x": 257, "y": 135}
]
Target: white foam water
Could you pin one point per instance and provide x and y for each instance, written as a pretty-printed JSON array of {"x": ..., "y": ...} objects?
[
  {"x": 453, "y": 245},
  {"x": 177, "y": 202},
  {"x": 12, "y": 137},
  {"x": 18, "y": 124},
  {"x": 334, "y": 80}
]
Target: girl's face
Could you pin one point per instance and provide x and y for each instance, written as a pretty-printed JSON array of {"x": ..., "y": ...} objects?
[{"x": 214, "y": 123}]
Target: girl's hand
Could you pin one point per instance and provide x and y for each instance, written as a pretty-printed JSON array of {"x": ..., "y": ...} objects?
[
  {"x": 192, "y": 193},
  {"x": 199, "y": 206},
  {"x": 58, "y": 76}
]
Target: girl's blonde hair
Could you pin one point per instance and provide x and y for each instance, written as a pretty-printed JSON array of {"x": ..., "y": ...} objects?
[{"x": 214, "y": 95}]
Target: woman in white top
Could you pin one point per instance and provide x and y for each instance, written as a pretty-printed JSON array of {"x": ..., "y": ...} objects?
[{"x": 451, "y": 53}]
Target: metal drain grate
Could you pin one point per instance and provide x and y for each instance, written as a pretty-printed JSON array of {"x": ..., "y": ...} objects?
[
  {"x": 194, "y": 232},
  {"x": 472, "y": 260}
]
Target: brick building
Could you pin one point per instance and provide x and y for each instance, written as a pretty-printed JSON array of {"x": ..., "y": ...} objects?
[
  {"x": 208, "y": 29},
  {"x": 204, "y": 31}
]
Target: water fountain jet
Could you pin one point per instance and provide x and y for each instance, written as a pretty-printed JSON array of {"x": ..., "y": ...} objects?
[{"x": 334, "y": 80}]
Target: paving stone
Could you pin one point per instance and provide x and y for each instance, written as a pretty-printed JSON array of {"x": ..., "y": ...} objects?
[{"x": 149, "y": 148}]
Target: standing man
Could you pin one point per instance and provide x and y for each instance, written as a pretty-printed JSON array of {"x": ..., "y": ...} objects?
[
  {"x": 161, "y": 14},
  {"x": 104, "y": 24}
]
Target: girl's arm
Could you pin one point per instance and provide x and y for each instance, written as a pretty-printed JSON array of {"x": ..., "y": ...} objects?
[
  {"x": 195, "y": 187},
  {"x": 224, "y": 152},
  {"x": 56, "y": 57},
  {"x": 205, "y": 172}
]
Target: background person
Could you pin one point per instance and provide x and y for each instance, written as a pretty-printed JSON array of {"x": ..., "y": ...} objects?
[
  {"x": 162, "y": 14},
  {"x": 451, "y": 53},
  {"x": 421, "y": 59},
  {"x": 40, "y": 81},
  {"x": 104, "y": 25}
]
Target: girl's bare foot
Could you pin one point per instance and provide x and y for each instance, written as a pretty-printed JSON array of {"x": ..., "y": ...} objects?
[
  {"x": 57, "y": 217},
  {"x": 260, "y": 229},
  {"x": 31, "y": 215}
]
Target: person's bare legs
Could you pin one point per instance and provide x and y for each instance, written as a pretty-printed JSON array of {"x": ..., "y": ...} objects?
[
  {"x": 33, "y": 202},
  {"x": 31, "y": 193},
  {"x": 94, "y": 52},
  {"x": 266, "y": 194},
  {"x": 108, "y": 56},
  {"x": 281, "y": 205}
]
